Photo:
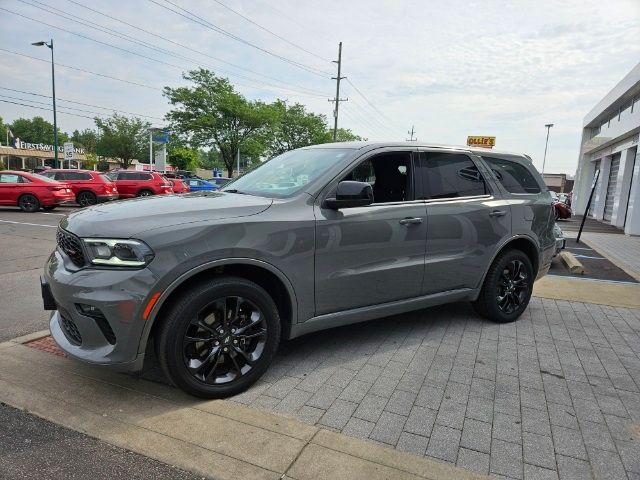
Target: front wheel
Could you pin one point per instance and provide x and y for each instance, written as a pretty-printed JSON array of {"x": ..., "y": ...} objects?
[
  {"x": 29, "y": 203},
  {"x": 219, "y": 338},
  {"x": 507, "y": 287},
  {"x": 145, "y": 193},
  {"x": 86, "y": 199}
]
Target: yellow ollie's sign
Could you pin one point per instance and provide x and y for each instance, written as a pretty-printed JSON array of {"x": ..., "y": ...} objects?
[{"x": 481, "y": 141}]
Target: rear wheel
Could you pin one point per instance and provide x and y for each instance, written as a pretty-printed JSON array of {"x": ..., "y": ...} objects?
[
  {"x": 507, "y": 287},
  {"x": 219, "y": 338},
  {"x": 29, "y": 203},
  {"x": 86, "y": 199},
  {"x": 145, "y": 193}
]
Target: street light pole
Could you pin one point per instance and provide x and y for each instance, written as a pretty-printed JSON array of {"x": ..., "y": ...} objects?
[
  {"x": 53, "y": 86},
  {"x": 544, "y": 160}
]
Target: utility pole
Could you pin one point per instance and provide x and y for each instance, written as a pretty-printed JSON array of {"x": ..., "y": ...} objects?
[
  {"x": 238, "y": 161},
  {"x": 544, "y": 160},
  {"x": 337, "y": 100},
  {"x": 411, "y": 133},
  {"x": 53, "y": 87}
]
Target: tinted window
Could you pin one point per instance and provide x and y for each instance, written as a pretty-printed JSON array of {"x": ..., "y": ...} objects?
[
  {"x": 48, "y": 174},
  {"x": 128, "y": 176},
  {"x": 449, "y": 175},
  {"x": 514, "y": 177},
  {"x": 143, "y": 176},
  {"x": 388, "y": 174}
]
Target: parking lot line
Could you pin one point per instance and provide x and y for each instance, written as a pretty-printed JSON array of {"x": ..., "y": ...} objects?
[{"x": 29, "y": 224}]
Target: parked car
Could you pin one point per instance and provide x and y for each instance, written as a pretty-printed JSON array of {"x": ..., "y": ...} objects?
[
  {"x": 561, "y": 209},
  {"x": 31, "y": 191},
  {"x": 89, "y": 187},
  {"x": 179, "y": 186},
  {"x": 365, "y": 230},
  {"x": 219, "y": 181},
  {"x": 140, "y": 184},
  {"x": 197, "y": 185}
]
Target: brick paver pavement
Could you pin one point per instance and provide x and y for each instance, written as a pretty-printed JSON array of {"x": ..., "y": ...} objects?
[{"x": 554, "y": 395}]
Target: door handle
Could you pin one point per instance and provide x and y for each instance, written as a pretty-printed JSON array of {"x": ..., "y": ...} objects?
[
  {"x": 498, "y": 213},
  {"x": 410, "y": 221}
]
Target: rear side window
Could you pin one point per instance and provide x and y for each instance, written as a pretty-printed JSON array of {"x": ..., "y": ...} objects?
[
  {"x": 143, "y": 176},
  {"x": 514, "y": 177},
  {"x": 449, "y": 175},
  {"x": 84, "y": 176}
]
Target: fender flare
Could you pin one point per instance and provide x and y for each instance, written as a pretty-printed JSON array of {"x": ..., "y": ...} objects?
[
  {"x": 166, "y": 293},
  {"x": 501, "y": 248}
]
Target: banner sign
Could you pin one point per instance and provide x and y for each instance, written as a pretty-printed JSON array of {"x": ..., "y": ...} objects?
[
  {"x": 161, "y": 137},
  {"x": 481, "y": 141},
  {"x": 20, "y": 145}
]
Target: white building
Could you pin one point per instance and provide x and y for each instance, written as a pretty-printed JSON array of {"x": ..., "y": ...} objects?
[{"x": 610, "y": 145}]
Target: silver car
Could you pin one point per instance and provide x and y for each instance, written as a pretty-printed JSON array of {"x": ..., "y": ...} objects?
[{"x": 315, "y": 238}]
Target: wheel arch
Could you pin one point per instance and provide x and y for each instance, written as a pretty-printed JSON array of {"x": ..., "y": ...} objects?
[
  {"x": 22, "y": 194},
  {"x": 262, "y": 273},
  {"x": 525, "y": 244}
]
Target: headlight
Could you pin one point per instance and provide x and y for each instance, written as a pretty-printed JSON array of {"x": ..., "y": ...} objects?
[{"x": 118, "y": 253}]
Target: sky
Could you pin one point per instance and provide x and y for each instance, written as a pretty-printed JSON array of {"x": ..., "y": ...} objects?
[{"x": 503, "y": 68}]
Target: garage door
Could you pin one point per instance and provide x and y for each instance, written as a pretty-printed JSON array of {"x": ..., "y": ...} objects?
[
  {"x": 596, "y": 169},
  {"x": 611, "y": 187}
]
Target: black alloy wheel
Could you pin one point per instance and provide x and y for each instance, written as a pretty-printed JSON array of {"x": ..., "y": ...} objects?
[
  {"x": 217, "y": 338},
  {"x": 507, "y": 287},
  {"x": 29, "y": 203},
  {"x": 224, "y": 340},
  {"x": 512, "y": 287},
  {"x": 86, "y": 199},
  {"x": 145, "y": 193}
]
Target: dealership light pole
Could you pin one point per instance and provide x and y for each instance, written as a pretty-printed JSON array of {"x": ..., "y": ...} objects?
[
  {"x": 53, "y": 85},
  {"x": 544, "y": 160}
]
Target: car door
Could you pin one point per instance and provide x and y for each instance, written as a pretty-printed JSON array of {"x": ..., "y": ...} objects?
[
  {"x": 9, "y": 188},
  {"x": 466, "y": 219},
  {"x": 374, "y": 254},
  {"x": 126, "y": 184}
]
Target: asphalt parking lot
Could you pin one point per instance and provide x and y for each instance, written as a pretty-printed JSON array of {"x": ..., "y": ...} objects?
[
  {"x": 26, "y": 240},
  {"x": 554, "y": 395}
]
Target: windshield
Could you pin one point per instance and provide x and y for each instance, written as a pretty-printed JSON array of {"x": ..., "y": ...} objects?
[{"x": 287, "y": 174}]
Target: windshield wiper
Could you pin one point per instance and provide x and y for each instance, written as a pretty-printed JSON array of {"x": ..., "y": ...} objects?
[{"x": 235, "y": 190}]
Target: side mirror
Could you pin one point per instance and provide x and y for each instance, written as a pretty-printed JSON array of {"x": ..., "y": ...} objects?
[{"x": 350, "y": 194}]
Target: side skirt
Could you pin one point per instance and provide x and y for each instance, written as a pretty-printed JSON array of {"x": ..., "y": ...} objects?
[{"x": 362, "y": 314}]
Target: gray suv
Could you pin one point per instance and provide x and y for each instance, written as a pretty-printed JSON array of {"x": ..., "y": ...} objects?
[{"x": 315, "y": 238}]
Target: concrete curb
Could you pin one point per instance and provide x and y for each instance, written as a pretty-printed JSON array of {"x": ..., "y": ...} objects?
[
  {"x": 588, "y": 290},
  {"x": 571, "y": 262},
  {"x": 216, "y": 439},
  {"x": 25, "y": 338}
]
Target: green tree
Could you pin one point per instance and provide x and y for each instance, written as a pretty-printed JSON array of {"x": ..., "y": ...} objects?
[
  {"x": 123, "y": 138},
  {"x": 183, "y": 158},
  {"x": 87, "y": 138},
  {"x": 210, "y": 113},
  {"x": 36, "y": 130},
  {"x": 295, "y": 128}
]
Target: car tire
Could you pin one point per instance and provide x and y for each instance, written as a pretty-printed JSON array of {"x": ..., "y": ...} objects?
[
  {"x": 507, "y": 288},
  {"x": 145, "y": 193},
  {"x": 29, "y": 203},
  {"x": 86, "y": 199},
  {"x": 214, "y": 365}
]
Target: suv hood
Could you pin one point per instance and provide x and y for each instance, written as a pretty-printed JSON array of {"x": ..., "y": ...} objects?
[{"x": 124, "y": 219}]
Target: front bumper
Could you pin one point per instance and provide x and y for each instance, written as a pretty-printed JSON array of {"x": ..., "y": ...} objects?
[{"x": 108, "y": 335}]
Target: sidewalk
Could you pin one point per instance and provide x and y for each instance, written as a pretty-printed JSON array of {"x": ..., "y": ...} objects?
[
  {"x": 216, "y": 439},
  {"x": 623, "y": 250}
]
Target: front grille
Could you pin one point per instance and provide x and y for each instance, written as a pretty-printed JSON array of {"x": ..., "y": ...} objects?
[
  {"x": 70, "y": 244},
  {"x": 70, "y": 329}
]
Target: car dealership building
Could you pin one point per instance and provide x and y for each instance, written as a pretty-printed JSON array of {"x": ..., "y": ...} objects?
[{"x": 609, "y": 152}]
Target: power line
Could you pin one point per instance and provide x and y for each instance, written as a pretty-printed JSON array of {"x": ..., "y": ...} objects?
[
  {"x": 82, "y": 70},
  {"x": 181, "y": 45},
  {"x": 369, "y": 102},
  {"x": 131, "y": 52},
  {"x": 129, "y": 38},
  {"x": 44, "y": 108},
  {"x": 211, "y": 26},
  {"x": 81, "y": 103},
  {"x": 271, "y": 32}
]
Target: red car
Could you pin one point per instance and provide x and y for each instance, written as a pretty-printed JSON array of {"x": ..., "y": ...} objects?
[
  {"x": 88, "y": 187},
  {"x": 179, "y": 186},
  {"x": 30, "y": 191},
  {"x": 561, "y": 209},
  {"x": 140, "y": 184}
]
